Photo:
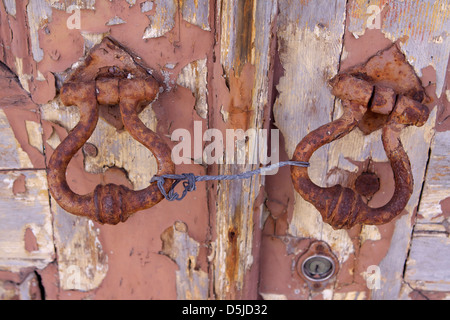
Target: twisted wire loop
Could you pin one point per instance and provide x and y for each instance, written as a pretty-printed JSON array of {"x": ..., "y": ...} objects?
[{"x": 189, "y": 179}]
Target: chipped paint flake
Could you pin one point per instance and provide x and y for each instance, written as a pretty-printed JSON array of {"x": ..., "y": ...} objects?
[
  {"x": 10, "y": 6},
  {"x": 54, "y": 140},
  {"x": 34, "y": 132},
  {"x": 163, "y": 20},
  {"x": 66, "y": 4},
  {"x": 194, "y": 77},
  {"x": 39, "y": 12},
  {"x": 92, "y": 39},
  {"x": 22, "y": 211},
  {"x": 115, "y": 21},
  {"x": 23, "y": 77},
  {"x": 191, "y": 284},
  {"x": 146, "y": 6},
  {"x": 196, "y": 12},
  {"x": 12, "y": 155},
  {"x": 352, "y": 295},
  {"x": 82, "y": 263}
]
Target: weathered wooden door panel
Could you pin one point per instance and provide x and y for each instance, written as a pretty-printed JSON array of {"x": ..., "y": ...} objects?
[
  {"x": 319, "y": 47},
  {"x": 227, "y": 69}
]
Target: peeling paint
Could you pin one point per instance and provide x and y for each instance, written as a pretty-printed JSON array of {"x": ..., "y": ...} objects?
[
  {"x": 423, "y": 270},
  {"x": 12, "y": 155},
  {"x": 64, "y": 5},
  {"x": 115, "y": 148},
  {"x": 163, "y": 20},
  {"x": 246, "y": 42},
  {"x": 82, "y": 263},
  {"x": 34, "y": 132},
  {"x": 33, "y": 209},
  {"x": 422, "y": 30},
  {"x": 353, "y": 295},
  {"x": 194, "y": 77},
  {"x": 196, "y": 12},
  {"x": 192, "y": 283},
  {"x": 39, "y": 12},
  {"x": 23, "y": 77},
  {"x": 115, "y": 21}
]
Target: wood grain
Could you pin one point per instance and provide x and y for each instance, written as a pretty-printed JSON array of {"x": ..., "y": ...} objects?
[
  {"x": 244, "y": 55},
  {"x": 25, "y": 209}
]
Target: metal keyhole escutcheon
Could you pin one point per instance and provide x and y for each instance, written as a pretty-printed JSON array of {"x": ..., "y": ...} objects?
[
  {"x": 318, "y": 268},
  {"x": 383, "y": 93},
  {"x": 129, "y": 89}
]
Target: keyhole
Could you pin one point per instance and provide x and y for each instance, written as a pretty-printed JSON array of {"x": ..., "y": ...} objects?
[{"x": 318, "y": 268}]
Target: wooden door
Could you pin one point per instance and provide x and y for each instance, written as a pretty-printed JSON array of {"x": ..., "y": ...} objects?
[{"x": 225, "y": 68}]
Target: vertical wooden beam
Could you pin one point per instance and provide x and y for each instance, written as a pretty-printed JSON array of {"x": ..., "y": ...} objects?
[
  {"x": 310, "y": 37},
  {"x": 245, "y": 33}
]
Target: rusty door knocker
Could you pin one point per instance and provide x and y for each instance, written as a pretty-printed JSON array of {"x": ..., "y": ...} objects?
[
  {"x": 109, "y": 203},
  {"x": 387, "y": 85}
]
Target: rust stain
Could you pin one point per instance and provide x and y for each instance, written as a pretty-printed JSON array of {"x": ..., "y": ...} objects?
[
  {"x": 232, "y": 254},
  {"x": 239, "y": 107},
  {"x": 245, "y": 25}
]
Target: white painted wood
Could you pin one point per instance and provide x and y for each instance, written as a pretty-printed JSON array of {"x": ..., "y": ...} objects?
[
  {"x": 82, "y": 263},
  {"x": 22, "y": 211},
  {"x": 310, "y": 45},
  {"x": 437, "y": 184},
  {"x": 12, "y": 155},
  {"x": 428, "y": 263},
  {"x": 194, "y": 77},
  {"x": 235, "y": 199}
]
